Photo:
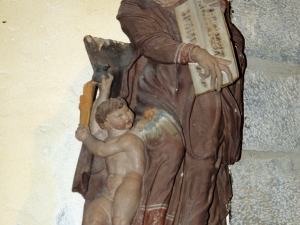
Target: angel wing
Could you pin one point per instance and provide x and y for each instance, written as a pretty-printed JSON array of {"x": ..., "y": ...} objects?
[{"x": 155, "y": 120}]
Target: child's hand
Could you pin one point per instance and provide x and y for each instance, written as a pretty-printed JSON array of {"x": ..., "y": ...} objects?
[
  {"x": 82, "y": 132},
  {"x": 105, "y": 85}
]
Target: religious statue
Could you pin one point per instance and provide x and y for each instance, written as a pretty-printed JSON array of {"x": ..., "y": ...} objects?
[{"x": 186, "y": 179}]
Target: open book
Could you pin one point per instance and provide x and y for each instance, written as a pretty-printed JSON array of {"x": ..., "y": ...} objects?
[{"x": 205, "y": 26}]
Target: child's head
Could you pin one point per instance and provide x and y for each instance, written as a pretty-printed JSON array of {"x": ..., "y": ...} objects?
[{"x": 109, "y": 107}]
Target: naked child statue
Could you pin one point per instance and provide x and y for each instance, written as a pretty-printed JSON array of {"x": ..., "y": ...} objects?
[{"x": 124, "y": 155}]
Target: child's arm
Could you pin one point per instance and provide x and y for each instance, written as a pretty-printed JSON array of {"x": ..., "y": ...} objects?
[
  {"x": 97, "y": 147},
  {"x": 104, "y": 91}
]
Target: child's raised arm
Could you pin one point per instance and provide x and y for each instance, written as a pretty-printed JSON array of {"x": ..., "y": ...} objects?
[{"x": 104, "y": 91}]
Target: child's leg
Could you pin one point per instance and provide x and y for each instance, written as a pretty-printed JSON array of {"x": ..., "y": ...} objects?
[
  {"x": 126, "y": 200},
  {"x": 98, "y": 212}
]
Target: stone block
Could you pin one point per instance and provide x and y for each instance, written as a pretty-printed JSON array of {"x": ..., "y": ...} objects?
[
  {"x": 272, "y": 106},
  {"x": 266, "y": 189},
  {"x": 271, "y": 28}
]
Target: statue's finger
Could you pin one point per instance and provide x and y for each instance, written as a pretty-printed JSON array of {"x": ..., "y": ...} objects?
[
  {"x": 219, "y": 81},
  {"x": 110, "y": 76},
  {"x": 213, "y": 80},
  {"x": 228, "y": 72},
  {"x": 224, "y": 61}
]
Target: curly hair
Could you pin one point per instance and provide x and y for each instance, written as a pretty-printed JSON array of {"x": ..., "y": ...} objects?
[{"x": 108, "y": 107}]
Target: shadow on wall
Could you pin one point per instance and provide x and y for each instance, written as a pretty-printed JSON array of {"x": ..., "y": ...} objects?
[{"x": 56, "y": 152}]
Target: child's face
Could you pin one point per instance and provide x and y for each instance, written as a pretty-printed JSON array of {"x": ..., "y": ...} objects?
[{"x": 121, "y": 119}]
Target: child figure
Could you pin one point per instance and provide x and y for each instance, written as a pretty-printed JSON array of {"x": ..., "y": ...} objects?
[{"x": 124, "y": 156}]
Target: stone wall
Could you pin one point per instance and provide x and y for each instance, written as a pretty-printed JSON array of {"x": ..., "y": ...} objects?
[{"x": 266, "y": 181}]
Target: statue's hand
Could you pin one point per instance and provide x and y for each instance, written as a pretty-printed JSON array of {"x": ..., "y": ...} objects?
[
  {"x": 82, "y": 132},
  {"x": 212, "y": 67},
  {"x": 217, "y": 3},
  {"x": 105, "y": 84}
]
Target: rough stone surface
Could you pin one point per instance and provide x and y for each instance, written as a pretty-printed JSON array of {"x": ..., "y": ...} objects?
[
  {"x": 266, "y": 189},
  {"x": 272, "y": 106},
  {"x": 266, "y": 181},
  {"x": 271, "y": 28}
]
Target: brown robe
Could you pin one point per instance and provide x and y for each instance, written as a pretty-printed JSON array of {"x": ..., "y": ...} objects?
[
  {"x": 211, "y": 124},
  {"x": 187, "y": 179}
]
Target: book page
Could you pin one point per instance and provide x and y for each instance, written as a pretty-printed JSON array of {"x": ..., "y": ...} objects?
[{"x": 199, "y": 24}]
